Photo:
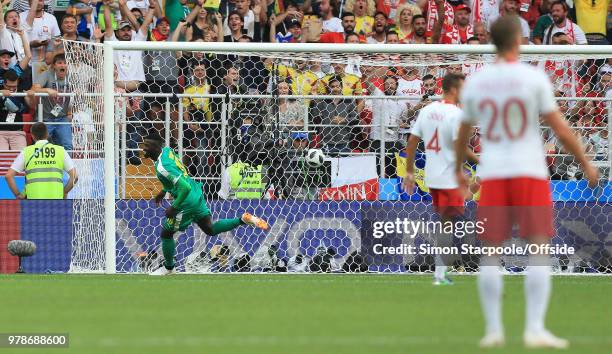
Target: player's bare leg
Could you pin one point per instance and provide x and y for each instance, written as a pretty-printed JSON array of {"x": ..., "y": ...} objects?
[
  {"x": 490, "y": 287},
  {"x": 537, "y": 294}
]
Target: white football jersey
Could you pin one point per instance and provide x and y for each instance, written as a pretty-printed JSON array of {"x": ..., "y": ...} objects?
[
  {"x": 505, "y": 100},
  {"x": 437, "y": 125}
]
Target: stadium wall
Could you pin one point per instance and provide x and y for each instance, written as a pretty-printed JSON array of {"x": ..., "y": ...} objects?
[{"x": 296, "y": 226}]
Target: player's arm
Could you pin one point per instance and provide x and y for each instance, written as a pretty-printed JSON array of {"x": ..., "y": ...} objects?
[
  {"x": 182, "y": 188},
  {"x": 571, "y": 144},
  {"x": 461, "y": 149},
  {"x": 411, "y": 147}
]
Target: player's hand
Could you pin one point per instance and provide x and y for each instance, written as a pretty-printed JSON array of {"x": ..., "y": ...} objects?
[
  {"x": 592, "y": 175},
  {"x": 408, "y": 183},
  {"x": 159, "y": 197},
  {"x": 462, "y": 181},
  {"x": 21, "y": 196},
  {"x": 5, "y": 93},
  {"x": 171, "y": 212}
]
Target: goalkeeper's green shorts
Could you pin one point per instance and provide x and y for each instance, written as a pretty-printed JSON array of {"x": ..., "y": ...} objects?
[{"x": 192, "y": 209}]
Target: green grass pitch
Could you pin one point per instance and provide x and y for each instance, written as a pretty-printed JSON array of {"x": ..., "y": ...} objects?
[{"x": 292, "y": 314}]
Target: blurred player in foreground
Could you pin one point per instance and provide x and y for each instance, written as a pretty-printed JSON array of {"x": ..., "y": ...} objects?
[
  {"x": 438, "y": 125},
  {"x": 506, "y": 99},
  {"x": 188, "y": 206}
]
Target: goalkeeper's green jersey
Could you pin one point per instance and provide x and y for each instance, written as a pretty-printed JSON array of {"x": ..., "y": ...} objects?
[{"x": 169, "y": 169}]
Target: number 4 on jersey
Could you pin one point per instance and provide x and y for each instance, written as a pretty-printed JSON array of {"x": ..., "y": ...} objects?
[{"x": 434, "y": 143}]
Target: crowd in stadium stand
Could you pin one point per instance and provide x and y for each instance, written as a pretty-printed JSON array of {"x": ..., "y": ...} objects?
[{"x": 32, "y": 60}]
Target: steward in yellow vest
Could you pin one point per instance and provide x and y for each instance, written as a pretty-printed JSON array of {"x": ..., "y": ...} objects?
[
  {"x": 44, "y": 165},
  {"x": 246, "y": 181}
]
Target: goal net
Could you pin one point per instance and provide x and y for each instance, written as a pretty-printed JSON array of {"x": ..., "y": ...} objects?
[{"x": 311, "y": 138}]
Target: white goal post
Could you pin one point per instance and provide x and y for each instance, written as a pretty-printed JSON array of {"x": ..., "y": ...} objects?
[{"x": 283, "y": 50}]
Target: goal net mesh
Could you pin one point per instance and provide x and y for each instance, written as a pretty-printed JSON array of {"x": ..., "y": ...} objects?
[{"x": 251, "y": 127}]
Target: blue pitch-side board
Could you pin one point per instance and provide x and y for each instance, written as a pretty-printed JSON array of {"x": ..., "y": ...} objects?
[{"x": 585, "y": 225}]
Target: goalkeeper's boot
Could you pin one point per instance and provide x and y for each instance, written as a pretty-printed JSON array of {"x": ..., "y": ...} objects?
[
  {"x": 254, "y": 221},
  {"x": 162, "y": 271},
  {"x": 493, "y": 340},
  {"x": 544, "y": 339}
]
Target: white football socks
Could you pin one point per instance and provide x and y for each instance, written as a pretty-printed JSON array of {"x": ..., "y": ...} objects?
[
  {"x": 490, "y": 288},
  {"x": 537, "y": 292},
  {"x": 440, "y": 268}
]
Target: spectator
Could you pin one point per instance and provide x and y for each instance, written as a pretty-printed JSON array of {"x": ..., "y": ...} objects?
[
  {"x": 24, "y": 5},
  {"x": 292, "y": 113},
  {"x": 591, "y": 17},
  {"x": 12, "y": 136},
  {"x": 392, "y": 38},
  {"x": 161, "y": 70},
  {"x": 302, "y": 80},
  {"x": 457, "y": 33},
  {"x": 41, "y": 27},
  {"x": 197, "y": 110},
  {"x": 83, "y": 13},
  {"x": 141, "y": 6},
  {"x": 250, "y": 18},
  {"x": 609, "y": 23},
  {"x": 348, "y": 23},
  {"x": 22, "y": 67},
  {"x": 380, "y": 29},
  {"x": 485, "y": 11},
  {"x": 312, "y": 27},
  {"x": 419, "y": 35},
  {"x": 69, "y": 32},
  {"x": 237, "y": 24},
  {"x": 56, "y": 109},
  {"x": 231, "y": 84},
  {"x": 277, "y": 21},
  {"x": 481, "y": 33},
  {"x": 131, "y": 107},
  {"x": 428, "y": 90},
  {"x": 599, "y": 141},
  {"x": 404, "y": 17},
  {"x": 129, "y": 62},
  {"x": 410, "y": 84},
  {"x": 543, "y": 22},
  {"x": 561, "y": 23},
  {"x": 363, "y": 10},
  {"x": 9, "y": 36},
  {"x": 433, "y": 9},
  {"x": 351, "y": 84},
  {"x": 511, "y": 7},
  {"x": 387, "y": 118},
  {"x": 293, "y": 34},
  {"x": 201, "y": 21},
  {"x": 330, "y": 22},
  {"x": 337, "y": 117},
  {"x": 252, "y": 70}
]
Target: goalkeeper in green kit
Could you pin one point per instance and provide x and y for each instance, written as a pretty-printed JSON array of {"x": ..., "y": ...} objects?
[{"x": 188, "y": 205}]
